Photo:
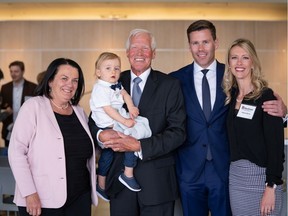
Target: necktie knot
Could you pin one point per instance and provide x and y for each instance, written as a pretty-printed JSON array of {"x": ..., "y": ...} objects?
[
  {"x": 115, "y": 86},
  {"x": 137, "y": 80},
  {"x": 204, "y": 71}
]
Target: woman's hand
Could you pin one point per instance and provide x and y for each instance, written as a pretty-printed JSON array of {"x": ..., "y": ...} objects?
[
  {"x": 33, "y": 204},
  {"x": 268, "y": 201}
]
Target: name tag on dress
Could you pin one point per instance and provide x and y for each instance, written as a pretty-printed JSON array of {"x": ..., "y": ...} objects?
[{"x": 246, "y": 111}]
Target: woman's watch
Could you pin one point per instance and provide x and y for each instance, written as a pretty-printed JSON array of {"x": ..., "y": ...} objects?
[{"x": 271, "y": 185}]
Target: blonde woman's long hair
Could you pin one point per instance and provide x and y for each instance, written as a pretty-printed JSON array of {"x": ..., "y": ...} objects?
[{"x": 229, "y": 81}]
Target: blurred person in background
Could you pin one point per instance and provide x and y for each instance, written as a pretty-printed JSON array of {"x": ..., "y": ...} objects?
[
  {"x": 14, "y": 94},
  {"x": 5, "y": 112}
]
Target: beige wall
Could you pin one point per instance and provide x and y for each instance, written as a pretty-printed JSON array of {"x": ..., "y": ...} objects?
[{"x": 37, "y": 43}]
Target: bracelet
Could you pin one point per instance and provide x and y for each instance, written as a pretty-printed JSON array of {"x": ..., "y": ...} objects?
[{"x": 271, "y": 185}]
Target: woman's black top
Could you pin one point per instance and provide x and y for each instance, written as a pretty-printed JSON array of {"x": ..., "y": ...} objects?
[
  {"x": 78, "y": 149},
  {"x": 260, "y": 139}
]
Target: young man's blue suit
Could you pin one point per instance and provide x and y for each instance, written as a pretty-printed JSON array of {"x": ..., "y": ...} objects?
[{"x": 191, "y": 157}]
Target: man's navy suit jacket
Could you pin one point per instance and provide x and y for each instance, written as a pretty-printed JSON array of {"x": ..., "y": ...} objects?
[{"x": 191, "y": 156}]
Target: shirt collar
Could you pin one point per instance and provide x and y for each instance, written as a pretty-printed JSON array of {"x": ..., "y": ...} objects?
[
  {"x": 143, "y": 76},
  {"x": 104, "y": 83},
  {"x": 19, "y": 84},
  {"x": 198, "y": 68}
]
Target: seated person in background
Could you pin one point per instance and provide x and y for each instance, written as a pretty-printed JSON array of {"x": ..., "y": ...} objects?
[{"x": 106, "y": 103}]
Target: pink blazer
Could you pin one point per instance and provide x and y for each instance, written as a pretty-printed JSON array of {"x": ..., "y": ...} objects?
[{"x": 36, "y": 154}]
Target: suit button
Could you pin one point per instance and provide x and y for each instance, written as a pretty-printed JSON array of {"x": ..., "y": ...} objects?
[{"x": 204, "y": 145}]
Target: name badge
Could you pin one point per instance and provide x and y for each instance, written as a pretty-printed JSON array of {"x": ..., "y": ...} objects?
[{"x": 246, "y": 111}]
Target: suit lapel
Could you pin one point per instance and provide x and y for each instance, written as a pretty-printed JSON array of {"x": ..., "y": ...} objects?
[
  {"x": 24, "y": 92},
  {"x": 220, "y": 96},
  {"x": 191, "y": 96},
  {"x": 192, "y": 102},
  {"x": 149, "y": 89},
  {"x": 125, "y": 80}
]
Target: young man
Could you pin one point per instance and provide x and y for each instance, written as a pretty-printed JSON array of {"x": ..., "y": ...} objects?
[
  {"x": 203, "y": 160},
  {"x": 14, "y": 94}
]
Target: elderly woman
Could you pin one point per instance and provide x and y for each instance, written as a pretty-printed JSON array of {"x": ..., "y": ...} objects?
[{"x": 51, "y": 151}]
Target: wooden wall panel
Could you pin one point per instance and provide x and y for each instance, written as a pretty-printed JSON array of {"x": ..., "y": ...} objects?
[
  {"x": 271, "y": 35},
  {"x": 231, "y": 30},
  {"x": 37, "y": 43}
]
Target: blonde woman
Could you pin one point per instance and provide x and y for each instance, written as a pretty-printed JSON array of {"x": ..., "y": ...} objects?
[{"x": 256, "y": 138}]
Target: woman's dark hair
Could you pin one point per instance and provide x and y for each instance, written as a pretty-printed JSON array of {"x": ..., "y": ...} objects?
[{"x": 43, "y": 87}]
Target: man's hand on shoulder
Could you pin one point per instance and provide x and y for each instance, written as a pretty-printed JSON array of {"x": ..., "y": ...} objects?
[{"x": 275, "y": 107}]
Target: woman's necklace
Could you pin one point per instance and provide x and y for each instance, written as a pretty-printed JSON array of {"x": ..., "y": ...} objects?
[
  {"x": 60, "y": 107},
  {"x": 239, "y": 100}
]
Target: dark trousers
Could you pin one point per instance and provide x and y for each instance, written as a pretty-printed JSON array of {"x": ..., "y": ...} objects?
[
  {"x": 106, "y": 158},
  {"x": 208, "y": 193},
  {"x": 81, "y": 206},
  {"x": 127, "y": 203}
]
